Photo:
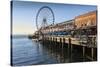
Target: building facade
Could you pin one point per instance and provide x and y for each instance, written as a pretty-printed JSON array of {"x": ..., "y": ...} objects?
[
  {"x": 59, "y": 28},
  {"x": 86, "y": 20}
]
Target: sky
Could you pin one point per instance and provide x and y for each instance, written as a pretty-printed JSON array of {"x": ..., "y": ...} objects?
[{"x": 24, "y": 14}]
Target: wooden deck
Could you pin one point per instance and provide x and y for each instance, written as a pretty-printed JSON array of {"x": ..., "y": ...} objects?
[{"x": 74, "y": 41}]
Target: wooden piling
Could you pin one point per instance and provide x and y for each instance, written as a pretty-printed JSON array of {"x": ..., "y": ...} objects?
[
  {"x": 92, "y": 53},
  {"x": 69, "y": 49},
  {"x": 69, "y": 42},
  {"x": 62, "y": 43},
  {"x": 83, "y": 51}
]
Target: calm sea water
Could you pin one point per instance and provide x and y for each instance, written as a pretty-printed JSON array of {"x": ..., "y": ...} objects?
[{"x": 30, "y": 52}]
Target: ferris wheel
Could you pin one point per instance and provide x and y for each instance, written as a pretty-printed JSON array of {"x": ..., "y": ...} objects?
[{"x": 44, "y": 17}]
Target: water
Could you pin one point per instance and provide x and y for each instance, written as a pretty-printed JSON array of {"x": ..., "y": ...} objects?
[{"x": 30, "y": 52}]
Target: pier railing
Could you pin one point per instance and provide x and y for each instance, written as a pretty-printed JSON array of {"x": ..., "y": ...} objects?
[{"x": 89, "y": 41}]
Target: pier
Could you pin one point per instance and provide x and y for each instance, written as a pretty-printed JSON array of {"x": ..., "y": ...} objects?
[
  {"x": 62, "y": 41},
  {"x": 79, "y": 33}
]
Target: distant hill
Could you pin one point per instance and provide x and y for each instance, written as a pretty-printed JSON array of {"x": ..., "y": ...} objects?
[{"x": 19, "y": 36}]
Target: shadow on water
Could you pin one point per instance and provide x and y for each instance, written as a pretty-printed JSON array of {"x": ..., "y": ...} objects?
[{"x": 63, "y": 55}]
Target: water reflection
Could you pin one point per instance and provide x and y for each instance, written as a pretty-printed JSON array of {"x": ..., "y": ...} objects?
[
  {"x": 61, "y": 55},
  {"x": 32, "y": 52}
]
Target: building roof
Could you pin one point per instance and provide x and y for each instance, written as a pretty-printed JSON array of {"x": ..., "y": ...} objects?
[{"x": 86, "y": 14}]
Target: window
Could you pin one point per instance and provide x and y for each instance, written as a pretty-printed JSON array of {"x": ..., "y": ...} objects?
[
  {"x": 88, "y": 22},
  {"x": 84, "y": 24}
]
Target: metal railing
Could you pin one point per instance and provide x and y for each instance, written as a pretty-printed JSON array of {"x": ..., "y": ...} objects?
[{"x": 90, "y": 41}]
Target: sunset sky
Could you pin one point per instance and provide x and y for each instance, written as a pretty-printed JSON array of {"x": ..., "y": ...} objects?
[{"x": 24, "y": 14}]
